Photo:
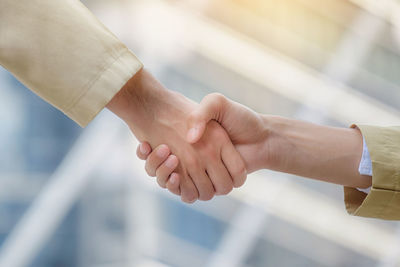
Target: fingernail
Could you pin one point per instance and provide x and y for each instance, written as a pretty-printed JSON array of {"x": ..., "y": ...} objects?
[
  {"x": 162, "y": 152},
  {"x": 192, "y": 134},
  {"x": 173, "y": 179},
  {"x": 143, "y": 149},
  {"x": 171, "y": 162}
]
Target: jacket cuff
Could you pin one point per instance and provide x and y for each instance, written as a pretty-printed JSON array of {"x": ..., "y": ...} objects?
[
  {"x": 384, "y": 199},
  {"x": 104, "y": 88}
]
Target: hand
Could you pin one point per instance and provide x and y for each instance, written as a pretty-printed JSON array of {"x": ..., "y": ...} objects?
[
  {"x": 210, "y": 166},
  {"x": 305, "y": 149},
  {"x": 245, "y": 127}
]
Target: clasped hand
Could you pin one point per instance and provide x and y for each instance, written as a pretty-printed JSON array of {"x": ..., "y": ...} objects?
[
  {"x": 207, "y": 167},
  {"x": 244, "y": 127}
]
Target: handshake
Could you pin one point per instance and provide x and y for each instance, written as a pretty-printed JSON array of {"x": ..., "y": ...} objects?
[
  {"x": 201, "y": 150},
  {"x": 227, "y": 141}
]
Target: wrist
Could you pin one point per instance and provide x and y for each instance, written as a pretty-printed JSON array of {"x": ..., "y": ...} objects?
[
  {"x": 273, "y": 145},
  {"x": 143, "y": 103},
  {"x": 258, "y": 153},
  {"x": 133, "y": 96}
]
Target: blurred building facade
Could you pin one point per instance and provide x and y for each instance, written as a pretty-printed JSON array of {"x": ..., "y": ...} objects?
[{"x": 73, "y": 197}]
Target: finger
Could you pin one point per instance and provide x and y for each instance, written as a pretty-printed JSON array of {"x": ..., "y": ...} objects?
[
  {"x": 189, "y": 193},
  {"x": 211, "y": 107},
  {"x": 143, "y": 150},
  {"x": 156, "y": 158},
  {"x": 234, "y": 164},
  {"x": 173, "y": 184},
  {"x": 165, "y": 169},
  {"x": 220, "y": 178},
  {"x": 204, "y": 185}
]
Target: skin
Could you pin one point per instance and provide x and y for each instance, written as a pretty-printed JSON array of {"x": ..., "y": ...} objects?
[
  {"x": 271, "y": 142},
  {"x": 208, "y": 167}
]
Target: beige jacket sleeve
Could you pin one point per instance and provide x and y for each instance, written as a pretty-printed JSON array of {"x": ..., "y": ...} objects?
[
  {"x": 59, "y": 50},
  {"x": 384, "y": 199}
]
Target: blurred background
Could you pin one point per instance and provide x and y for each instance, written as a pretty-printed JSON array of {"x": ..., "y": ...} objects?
[{"x": 79, "y": 197}]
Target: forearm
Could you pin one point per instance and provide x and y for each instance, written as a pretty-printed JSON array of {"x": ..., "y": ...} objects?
[
  {"x": 324, "y": 153},
  {"x": 60, "y": 51}
]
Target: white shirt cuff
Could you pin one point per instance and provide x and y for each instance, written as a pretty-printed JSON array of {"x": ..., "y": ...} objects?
[{"x": 365, "y": 167}]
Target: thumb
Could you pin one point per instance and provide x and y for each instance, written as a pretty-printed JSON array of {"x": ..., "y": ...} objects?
[{"x": 209, "y": 109}]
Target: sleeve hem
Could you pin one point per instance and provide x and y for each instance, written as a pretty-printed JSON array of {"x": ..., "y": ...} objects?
[
  {"x": 384, "y": 199},
  {"x": 379, "y": 203},
  {"x": 104, "y": 88}
]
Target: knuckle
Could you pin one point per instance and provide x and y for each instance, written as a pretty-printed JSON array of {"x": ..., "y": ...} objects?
[
  {"x": 239, "y": 177},
  {"x": 189, "y": 197},
  {"x": 218, "y": 133},
  {"x": 160, "y": 175},
  {"x": 138, "y": 154},
  {"x": 224, "y": 190},
  {"x": 192, "y": 162},
  {"x": 161, "y": 182},
  {"x": 173, "y": 162},
  {"x": 193, "y": 116},
  {"x": 210, "y": 151},
  {"x": 213, "y": 156},
  {"x": 150, "y": 171},
  {"x": 152, "y": 164},
  {"x": 217, "y": 98},
  {"x": 240, "y": 181},
  {"x": 206, "y": 197},
  {"x": 173, "y": 190},
  {"x": 189, "y": 193}
]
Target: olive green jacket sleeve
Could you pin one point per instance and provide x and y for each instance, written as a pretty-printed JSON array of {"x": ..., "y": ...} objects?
[
  {"x": 59, "y": 50},
  {"x": 384, "y": 199}
]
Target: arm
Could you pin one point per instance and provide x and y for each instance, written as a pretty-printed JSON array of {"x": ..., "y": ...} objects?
[
  {"x": 60, "y": 51},
  {"x": 270, "y": 142},
  {"x": 159, "y": 116},
  {"x": 324, "y": 153}
]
